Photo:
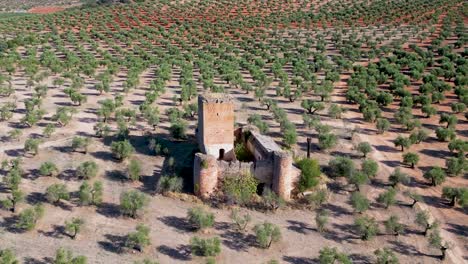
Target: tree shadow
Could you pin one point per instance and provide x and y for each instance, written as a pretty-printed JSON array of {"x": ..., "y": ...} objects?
[
  {"x": 459, "y": 230},
  {"x": 32, "y": 175},
  {"x": 68, "y": 175},
  {"x": 299, "y": 227},
  {"x": 406, "y": 249},
  {"x": 9, "y": 224},
  {"x": 116, "y": 175},
  {"x": 36, "y": 197},
  {"x": 385, "y": 148},
  {"x": 181, "y": 252},
  {"x": 392, "y": 163},
  {"x": 15, "y": 152},
  {"x": 437, "y": 153},
  {"x": 336, "y": 210},
  {"x": 108, "y": 210},
  {"x": 300, "y": 260},
  {"x": 238, "y": 241},
  {"x": 58, "y": 231},
  {"x": 436, "y": 201},
  {"x": 46, "y": 260},
  {"x": 114, "y": 243},
  {"x": 345, "y": 233},
  {"x": 103, "y": 155},
  {"x": 179, "y": 223},
  {"x": 358, "y": 258}
]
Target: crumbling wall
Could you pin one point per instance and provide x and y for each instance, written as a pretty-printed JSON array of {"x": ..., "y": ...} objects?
[
  {"x": 205, "y": 174},
  {"x": 283, "y": 182}
]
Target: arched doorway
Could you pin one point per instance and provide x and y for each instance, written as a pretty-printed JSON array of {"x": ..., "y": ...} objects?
[{"x": 221, "y": 154}]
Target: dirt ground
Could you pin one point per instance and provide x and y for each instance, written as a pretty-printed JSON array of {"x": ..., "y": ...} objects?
[{"x": 105, "y": 229}]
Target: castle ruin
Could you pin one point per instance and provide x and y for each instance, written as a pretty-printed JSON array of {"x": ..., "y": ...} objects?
[{"x": 270, "y": 165}]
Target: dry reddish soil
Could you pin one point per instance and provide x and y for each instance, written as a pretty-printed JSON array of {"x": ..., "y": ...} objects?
[{"x": 45, "y": 9}]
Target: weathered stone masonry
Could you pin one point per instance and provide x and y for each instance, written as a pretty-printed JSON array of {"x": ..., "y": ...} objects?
[{"x": 271, "y": 165}]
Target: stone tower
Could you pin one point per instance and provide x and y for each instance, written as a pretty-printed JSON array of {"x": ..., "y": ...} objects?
[{"x": 216, "y": 125}]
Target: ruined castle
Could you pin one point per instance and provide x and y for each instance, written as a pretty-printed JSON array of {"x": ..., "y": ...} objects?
[{"x": 270, "y": 165}]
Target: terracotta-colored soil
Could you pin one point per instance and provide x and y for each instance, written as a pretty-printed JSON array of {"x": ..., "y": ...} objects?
[{"x": 45, "y": 9}]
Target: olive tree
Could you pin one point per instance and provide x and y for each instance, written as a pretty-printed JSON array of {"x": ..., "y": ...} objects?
[
  {"x": 74, "y": 226},
  {"x": 132, "y": 202},
  {"x": 139, "y": 239},
  {"x": 266, "y": 234}
]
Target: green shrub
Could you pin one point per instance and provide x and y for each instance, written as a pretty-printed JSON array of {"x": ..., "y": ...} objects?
[
  {"x": 386, "y": 256},
  {"x": 138, "y": 239},
  {"x": 332, "y": 256},
  {"x": 327, "y": 140},
  {"x": 370, "y": 168},
  {"x": 132, "y": 202},
  {"x": 310, "y": 174},
  {"x": 436, "y": 175},
  {"x": 205, "y": 247},
  {"x": 365, "y": 148},
  {"x": 87, "y": 170},
  {"x": 57, "y": 192},
  {"x": 179, "y": 129},
  {"x": 341, "y": 167},
  {"x": 393, "y": 225},
  {"x": 242, "y": 153},
  {"x": 170, "y": 183},
  {"x": 398, "y": 177},
  {"x": 7, "y": 256},
  {"x": 387, "y": 198},
  {"x": 359, "y": 202},
  {"x": 266, "y": 234},
  {"x": 48, "y": 169},
  {"x": 366, "y": 227},
  {"x": 241, "y": 221},
  {"x": 317, "y": 198},
  {"x": 64, "y": 256},
  {"x": 122, "y": 149},
  {"x": 199, "y": 218},
  {"x": 90, "y": 194},
  {"x": 134, "y": 170},
  {"x": 74, "y": 226},
  {"x": 321, "y": 219},
  {"x": 28, "y": 218},
  {"x": 240, "y": 189}
]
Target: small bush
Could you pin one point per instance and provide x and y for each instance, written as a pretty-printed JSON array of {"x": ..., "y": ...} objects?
[
  {"x": 240, "y": 189},
  {"x": 199, "y": 218},
  {"x": 48, "y": 169},
  {"x": 310, "y": 174},
  {"x": 364, "y": 148},
  {"x": 266, "y": 234},
  {"x": 122, "y": 149},
  {"x": 132, "y": 202},
  {"x": 359, "y": 202},
  {"x": 138, "y": 239},
  {"x": 57, "y": 192},
  {"x": 366, "y": 227},
  {"x": 436, "y": 175},
  {"x": 242, "y": 153},
  {"x": 134, "y": 170},
  {"x": 341, "y": 167},
  {"x": 64, "y": 256},
  {"x": 241, "y": 221},
  {"x": 73, "y": 227},
  {"x": 28, "y": 218},
  {"x": 170, "y": 183},
  {"x": 87, "y": 170},
  {"x": 208, "y": 247}
]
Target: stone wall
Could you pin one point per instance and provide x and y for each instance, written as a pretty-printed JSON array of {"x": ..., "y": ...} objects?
[{"x": 216, "y": 124}]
